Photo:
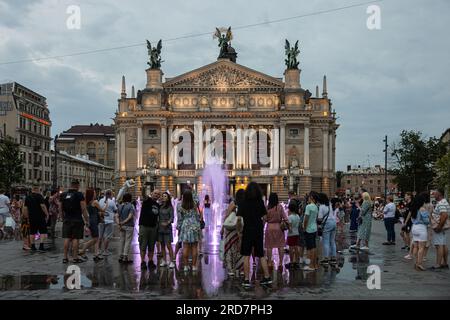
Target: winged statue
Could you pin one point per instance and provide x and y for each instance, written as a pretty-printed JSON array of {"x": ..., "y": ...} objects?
[
  {"x": 291, "y": 55},
  {"x": 224, "y": 39},
  {"x": 154, "y": 54}
]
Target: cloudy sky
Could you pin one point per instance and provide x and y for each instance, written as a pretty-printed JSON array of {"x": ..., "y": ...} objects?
[{"x": 380, "y": 81}]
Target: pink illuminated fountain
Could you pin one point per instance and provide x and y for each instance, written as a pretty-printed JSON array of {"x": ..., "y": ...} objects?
[{"x": 215, "y": 184}]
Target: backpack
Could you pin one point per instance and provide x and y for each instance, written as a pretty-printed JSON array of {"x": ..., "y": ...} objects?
[{"x": 69, "y": 203}]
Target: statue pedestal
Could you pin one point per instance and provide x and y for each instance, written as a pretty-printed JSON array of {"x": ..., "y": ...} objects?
[
  {"x": 292, "y": 78},
  {"x": 154, "y": 79}
]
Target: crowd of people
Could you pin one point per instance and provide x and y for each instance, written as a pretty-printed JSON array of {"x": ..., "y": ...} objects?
[{"x": 251, "y": 228}]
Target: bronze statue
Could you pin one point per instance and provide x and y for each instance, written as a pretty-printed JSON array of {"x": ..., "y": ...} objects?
[
  {"x": 291, "y": 55},
  {"x": 154, "y": 55},
  {"x": 226, "y": 51}
]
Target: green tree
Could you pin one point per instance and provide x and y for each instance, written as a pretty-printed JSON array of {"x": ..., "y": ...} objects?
[
  {"x": 414, "y": 158},
  {"x": 443, "y": 172},
  {"x": 11, "y": 164}
]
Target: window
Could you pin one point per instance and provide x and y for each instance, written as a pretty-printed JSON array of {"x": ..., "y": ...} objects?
[
  {"x": 29, "y": 158},
  {"x": 379, "y": 181},
  {"x": 293, "y": 132},
  {"x": 30, "y": 174},
  {"x": 371, "y": 190},
  {"x": 91, "y": 150},
  {"x": 379, "y": 189},
  {"x": 371, "y": 181},
  {"x": 152, "y": 132},
  {"x": 348, "y": 181}
]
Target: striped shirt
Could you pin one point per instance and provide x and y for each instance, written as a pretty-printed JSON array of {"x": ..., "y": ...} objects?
[{"x": 441, "y": 207}]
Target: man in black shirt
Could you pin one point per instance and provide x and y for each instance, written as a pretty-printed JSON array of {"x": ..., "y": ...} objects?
[
  {"x": 148, "y": 227},
  {"x": 73, "y": 211},
  {"x": 35, "y": 210}
]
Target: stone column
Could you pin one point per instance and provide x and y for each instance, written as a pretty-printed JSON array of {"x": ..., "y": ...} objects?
[
  {"x": 325, "y": 151},
  {"x": 282, "y": 145},
  {"x": 245, "y": 148},
  {"x": 170, "y": 147},
  {"x": 163, "y": 146},
  {"x": 122, "y": 150},
  {"x": 139, "y": 146},
  {"x": 117, "y": 147},
  {"x": 306, "y": 147},
  {"x": 238, "y": 147},
  {"x": 330, "y": 151},
  {"x": 276, "y": 148},
  {"x": 198, "y": 144},
  {"x": 207, "y": 142}
]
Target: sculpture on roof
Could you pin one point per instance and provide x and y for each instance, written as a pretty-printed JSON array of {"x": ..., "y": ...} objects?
[
  {"x": 291, "y": 55},
  {"x": 154, "y": 54},
  {"x": 226, "y": 50}
]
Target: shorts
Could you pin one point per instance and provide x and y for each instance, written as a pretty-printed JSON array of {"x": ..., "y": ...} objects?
[
  {"x": 38, "y": 226},
  {"x": 301, "y": 239},
  {"x": 105, "y": 230},
  {"x": 165, "y": 238},
  {"x": 147, "y": 238},
  {"x": 310, "y": 240},
  {"x": 72, "y": 229},
  {"x": 252, "y": 240},
  {"x": 439, "y": 239},
  {"x": 292, "y": 241}
]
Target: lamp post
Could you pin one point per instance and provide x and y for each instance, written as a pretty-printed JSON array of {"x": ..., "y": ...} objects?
[
  {"x": 55, "y": 164},
  {"x": 144, "y": 174}
]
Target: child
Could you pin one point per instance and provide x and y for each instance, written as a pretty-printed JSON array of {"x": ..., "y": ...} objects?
[{"x": 293, "y": 235}]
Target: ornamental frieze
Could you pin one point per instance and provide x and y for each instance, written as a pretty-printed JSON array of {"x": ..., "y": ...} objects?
[{"x": 224, "y": 77}]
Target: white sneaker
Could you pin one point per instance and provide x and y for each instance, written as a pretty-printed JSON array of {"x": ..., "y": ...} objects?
[
  {"x": 186, "y": 269},
  {"x": 364, "y": 248},
  {"x": 307, "y": 261},
  {"x": 308, "y": 268},
  {"x": 301, "y": 261},
  {"x": 194, "y": 269},
  {"x": 408, "y": 257},
  {"x": 172, "y": 265},
  {"x": 106, "y": 253},
  {"x": 163, "y": 264}
]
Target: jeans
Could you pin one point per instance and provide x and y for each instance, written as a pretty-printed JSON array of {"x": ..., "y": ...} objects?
[
  {"x": 389, "y": 223},
  {"x": 126, "y": 236},
  {"x": 329, "y": 239}
]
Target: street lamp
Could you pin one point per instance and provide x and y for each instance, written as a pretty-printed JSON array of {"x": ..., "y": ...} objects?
[{"x": 55, "y": 164}]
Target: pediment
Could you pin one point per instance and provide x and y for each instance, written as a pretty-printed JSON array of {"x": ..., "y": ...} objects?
[{"x": 223, "y": 74}]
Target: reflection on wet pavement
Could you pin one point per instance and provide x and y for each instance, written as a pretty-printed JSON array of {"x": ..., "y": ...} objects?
[{"x": 211, "y": 281}]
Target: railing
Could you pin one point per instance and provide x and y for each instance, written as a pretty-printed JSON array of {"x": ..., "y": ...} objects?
[{"x": 186, "y": 173}]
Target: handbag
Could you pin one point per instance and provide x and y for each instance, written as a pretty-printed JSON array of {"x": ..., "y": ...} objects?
[
  {"x": 320, "y": 226},
  {"x": 230, "y": 221}
]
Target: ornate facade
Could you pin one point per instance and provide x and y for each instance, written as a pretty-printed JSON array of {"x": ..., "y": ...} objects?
[{"x": 234, "y": 100}]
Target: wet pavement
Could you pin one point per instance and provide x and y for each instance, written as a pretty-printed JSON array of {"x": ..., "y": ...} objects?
[{"x": 25, "y": 275}]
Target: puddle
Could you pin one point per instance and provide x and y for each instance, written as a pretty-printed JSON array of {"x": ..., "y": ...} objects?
[{"x": 38, "y": 282}]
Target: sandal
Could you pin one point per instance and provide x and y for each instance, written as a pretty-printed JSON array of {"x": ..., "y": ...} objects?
[
  {"x": 78, "y": 260},
  {"x": 65, "y": 260}
]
